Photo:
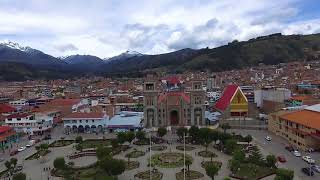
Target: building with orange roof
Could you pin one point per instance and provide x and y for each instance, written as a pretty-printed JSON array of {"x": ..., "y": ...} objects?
[{"x": 301, "y": 127}]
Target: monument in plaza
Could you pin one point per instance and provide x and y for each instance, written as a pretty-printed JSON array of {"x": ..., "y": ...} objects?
[{"x": 171, "y": 102}]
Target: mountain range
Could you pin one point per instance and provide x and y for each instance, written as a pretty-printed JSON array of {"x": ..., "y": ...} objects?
[{"x": 21, "y": 63}]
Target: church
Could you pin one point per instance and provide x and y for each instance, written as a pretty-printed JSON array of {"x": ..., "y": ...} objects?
[{"x": 168, "y": 103}]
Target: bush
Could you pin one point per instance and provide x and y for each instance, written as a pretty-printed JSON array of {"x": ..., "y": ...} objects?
[
  {"x": 19, "y": 176},
  {"x": 284, "y": 174},
  {"x": 79, "y": 139},
  {"x": 162, "y": 131},
  {"x": 59, "y": 163}
]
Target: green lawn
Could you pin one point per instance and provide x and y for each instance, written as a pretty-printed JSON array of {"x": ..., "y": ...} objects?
[
  {"x": 252, "y": 171},
  {"x": 93, "y": 143},
  {"x": 90, "y": 173}
]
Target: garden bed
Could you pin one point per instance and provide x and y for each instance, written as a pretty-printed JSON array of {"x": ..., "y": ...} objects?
[
  {"x": 169, "y": 160},
  {"x": 37, "y": 155},
  {"x": 207, "y": 154},
  {"x": 135, "y": 154},
  {"x": 188, "y": 148},
  {"x": 142, "y": 142},
  {"x": 204, "y": 164},
  {"x": 158, "y": 148},
  {"x": 189, "y": 175},
  {"x": 61, "y": 143},
  {"x": 89, "y": 173},
  {"x": 155, "y": 175},
  {"x": 132, "y": 165}
]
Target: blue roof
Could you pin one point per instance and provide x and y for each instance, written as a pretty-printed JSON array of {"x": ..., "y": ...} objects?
[
  {"x": 126, "y": 119},
  {"x": 212, "y": 116}
]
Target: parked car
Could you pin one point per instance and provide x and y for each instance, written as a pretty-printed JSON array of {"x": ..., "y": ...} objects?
[
  {"x": 289, "y": 148},
  {"x": 31, "y": 143},
  {"x": 308, "y": 159},
  {"x": 268, "y": 138},
  {"x": 310, "y": 150},
  {"x": 282, "y": 159},
  {"x": 316, "y": 168},
  {"x": 296, "y": 153},
  {"x": 21, "y": 148},
  {"x": 14, "y": 152},
  {"x": 47, "y": 137},
  {"x": 307, "y": 171}
]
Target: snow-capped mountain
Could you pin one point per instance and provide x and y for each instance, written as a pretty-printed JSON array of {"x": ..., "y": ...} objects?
[
  {"x": 126, "y": 55},
  {"x": 14, "y": 45}
]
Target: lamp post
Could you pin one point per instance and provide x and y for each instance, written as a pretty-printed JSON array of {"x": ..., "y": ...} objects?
[{"x": 150, "y": 166}]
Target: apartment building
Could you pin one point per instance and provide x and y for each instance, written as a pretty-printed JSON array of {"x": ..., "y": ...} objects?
[
  {"x": 30, "y": 123},
  {"x": 301, "y": 128}
]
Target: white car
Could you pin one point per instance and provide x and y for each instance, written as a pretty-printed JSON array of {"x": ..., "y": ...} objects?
[
  {"x": 308, "y": 159},
  {"x": 21, "y": 148},
  {"x": 268, "y": 138},
  {"x": 296, "y": 153}
]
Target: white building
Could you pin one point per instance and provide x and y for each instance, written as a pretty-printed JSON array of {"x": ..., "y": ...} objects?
[
  {"x": 271, "y": 94},
  {"x": 21, "y": 102},
  {"x": 30, "y": 123},
  {"x": 85, "y": 122}
]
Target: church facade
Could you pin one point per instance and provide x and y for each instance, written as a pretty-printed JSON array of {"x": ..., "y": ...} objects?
[{"x": 168, "y": 104}]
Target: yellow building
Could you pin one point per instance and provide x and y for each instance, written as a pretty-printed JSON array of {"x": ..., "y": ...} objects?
[
  {"x": 233, "y": 102},
  {"x": 301, "y": 128}
]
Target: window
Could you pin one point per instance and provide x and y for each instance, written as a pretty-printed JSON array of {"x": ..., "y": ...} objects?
[
  {"x": 87, "y": 121},
  {"x": 18, "y": 119},
  {"x": 9, "y": 119},
  {"x": 93, "y": 121},
  {"x": 80, "y": 121}
]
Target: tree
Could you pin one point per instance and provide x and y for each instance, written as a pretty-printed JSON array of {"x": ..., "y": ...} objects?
[
  {"x": 214, "y": 135},
  {"x": 231, "y": 146},
  {"x": 256, "y": 157},
  {"x": 79, "y": 147},
  {"x": 284, "y": 174},
  {"x": 212, "y": 170},
  {"x": 13, "y": 162},
  {"x": 37, "y": 148},
  {"x": 112, "y": 166},
  {"x": 188, "y": 163},
  {"x": 114, "y": 143},
  {"x": 130, "y": 136},
  {"x": 44, "y": 147},
  {"x": 8, "y": 165},
  {"x": 248, "y": 138},
  {"x": 141, "y": 135},
  {"x": 204, "y": 134},
  {"x": 181, "y": 132},
  {"x": 271, "y": 161},
  {"x": 122, "y": 137},
  {"x": 59, "y": 163},
  {"x": 225, "y": 127},
  {"x": 19, "y": 176},
  {"x": 234, "y": 165},
  {"x": 239, "y": 155},
  {"x": 194, "y": 133},
  {"x": 162, "y": 131},
  {"x": 102, "y": 152},
  {"x": 79, "y": 139}
]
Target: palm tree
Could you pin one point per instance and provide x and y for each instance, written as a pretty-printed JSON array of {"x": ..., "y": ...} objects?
[{"x": 188, "y": 163}]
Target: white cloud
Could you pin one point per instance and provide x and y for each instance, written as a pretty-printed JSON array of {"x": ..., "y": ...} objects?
[{"x": 107, "y": 28}]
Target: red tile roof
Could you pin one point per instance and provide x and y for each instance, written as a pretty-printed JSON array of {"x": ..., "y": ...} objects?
[
  {"x": 5, "y": 129},
  {"x": 80, "y": 115},
  {"x": 5, "y": 108},
  {"x": 225, "y": 99},
  {"x": 172, "y": 79},
  {"x": 64, "y": 102},
  {"x": 305, "y": 117}
]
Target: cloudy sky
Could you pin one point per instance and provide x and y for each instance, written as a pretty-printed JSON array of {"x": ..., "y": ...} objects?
[{"x": 109, "y": 27}]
